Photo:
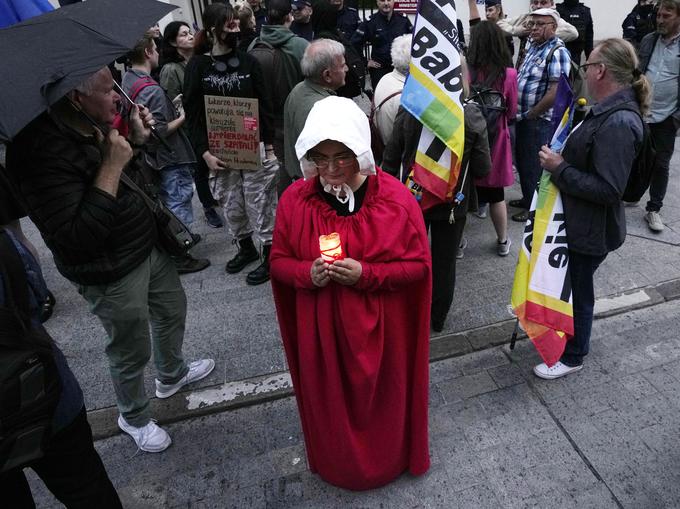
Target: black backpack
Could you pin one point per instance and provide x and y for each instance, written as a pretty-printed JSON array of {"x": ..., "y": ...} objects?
[
  {"x": 30, "y": 386},
  {"x": 641, "y": 172},
  {"x": 491, "y": 103}
]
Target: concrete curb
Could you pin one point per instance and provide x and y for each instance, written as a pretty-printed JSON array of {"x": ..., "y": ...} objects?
[{"x": 256, "y": 390}]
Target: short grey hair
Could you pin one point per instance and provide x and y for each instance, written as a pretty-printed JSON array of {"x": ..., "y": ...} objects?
[
  {"x": 401, "y": 52},
  {"x": 319, "y": 56},
  {"x": 87, "y": 87}
]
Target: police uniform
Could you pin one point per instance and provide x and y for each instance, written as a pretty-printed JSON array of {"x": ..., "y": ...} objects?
[
  {"x": 380, "y": 32},
  {"x": 348, "y": 21},
  {"x": 579, "y": 16}
]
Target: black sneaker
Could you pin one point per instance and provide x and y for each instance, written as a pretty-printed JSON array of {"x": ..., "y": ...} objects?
[
  {"x": 188, "y": 264},
  {"x": 213, "y": 218}
]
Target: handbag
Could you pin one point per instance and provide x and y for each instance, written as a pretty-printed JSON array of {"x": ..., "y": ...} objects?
[{"x": 173, "y": 236}]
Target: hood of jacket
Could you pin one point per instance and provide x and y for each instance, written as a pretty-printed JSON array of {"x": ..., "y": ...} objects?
[{"x": 276, "y": 35}]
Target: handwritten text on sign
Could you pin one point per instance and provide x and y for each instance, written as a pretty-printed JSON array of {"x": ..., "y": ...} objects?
[{"x": 233, "y": 131}]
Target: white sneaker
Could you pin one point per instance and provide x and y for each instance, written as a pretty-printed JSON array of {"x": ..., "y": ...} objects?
[
  {"x": 654, "y": 220},
  {"x": 482, "y": 211},
  {"x": 557, "y": 370},
  {"x": 149, "y": 438},
  {"x": 504, "y": 247},
  {"x": 460, "y": 252},
  {"x": 197, "y": 370}
]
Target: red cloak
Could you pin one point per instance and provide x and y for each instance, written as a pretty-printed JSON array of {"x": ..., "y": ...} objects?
[{"x": 358, "y": 356}]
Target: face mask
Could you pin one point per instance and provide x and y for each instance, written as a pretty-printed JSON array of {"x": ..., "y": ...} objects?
[
  {"x": 231, "y": 39},
  {"x": 339, "y": 190}
]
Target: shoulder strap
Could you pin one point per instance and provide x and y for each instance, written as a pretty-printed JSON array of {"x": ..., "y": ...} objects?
[
  {"x": 141, "y": 84},
  {"x": 257, "y": 41}
]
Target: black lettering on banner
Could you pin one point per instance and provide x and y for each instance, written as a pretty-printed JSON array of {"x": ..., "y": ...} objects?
[
  {"x": 566, "y": 286},
  {"x": 423, "y": 41},
  {"x": 436, "y": 149},
  {"x": 558, "y": 257},
  {"x": 529, "y": 228},
  {"x": 440, "y": 21},
  {"x": 444, "y": 3},
  {"x": 435, "y": 63},
  {"x": 452, "y": 80}
]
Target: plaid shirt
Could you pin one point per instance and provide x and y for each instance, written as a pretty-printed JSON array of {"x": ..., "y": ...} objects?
[{"x": 533, "y": 79}]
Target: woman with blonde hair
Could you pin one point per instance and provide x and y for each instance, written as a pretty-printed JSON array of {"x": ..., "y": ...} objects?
[{"x": 592, "y": 172}]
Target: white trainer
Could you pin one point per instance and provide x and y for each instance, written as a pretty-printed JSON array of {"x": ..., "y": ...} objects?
[
  {"x": 504, "y": 247},
  {"x": 557, "y": 370},
  {"x": 654, "y": 221},
  {"x": 149, "y": 438},
  {"x": 197, "y": 371}
]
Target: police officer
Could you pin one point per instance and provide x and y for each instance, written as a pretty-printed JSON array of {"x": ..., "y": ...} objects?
[
  {"x": 380, "y": 30},
  {"x": 574, "y": 12},
  {"x": 348, "y": 18},
  {"x": 640, "y": 22}
]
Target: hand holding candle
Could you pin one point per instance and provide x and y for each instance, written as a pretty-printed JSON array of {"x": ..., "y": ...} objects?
[{"x": 331, "y": 247}]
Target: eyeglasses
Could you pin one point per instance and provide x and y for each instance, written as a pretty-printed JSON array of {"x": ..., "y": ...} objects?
[
  {"x": 584, "y": 67},
  {"x": 323, "y": 163},
  {"x": 537, "y": 24}
]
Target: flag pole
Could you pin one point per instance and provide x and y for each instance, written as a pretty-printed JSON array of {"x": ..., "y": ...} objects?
[{"x": 513, "y": 339}]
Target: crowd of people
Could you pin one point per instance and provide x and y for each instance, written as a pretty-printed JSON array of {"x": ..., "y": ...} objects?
[{"x": 358, "y": 284}]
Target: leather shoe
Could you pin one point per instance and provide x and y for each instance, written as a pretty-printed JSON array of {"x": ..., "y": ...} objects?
[
  {"x": 521, "y": 217},
  {"x": 516, "y": 203}
]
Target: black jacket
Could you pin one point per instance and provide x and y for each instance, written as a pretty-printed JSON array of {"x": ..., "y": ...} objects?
[
  {"x": 598, "y": 158},
  {"x": 95, "y": 238},
  {"x": 579, "y": 16},
  {"x": 381, "y": 32},
  {"x": 202, "y": 78},
  {"x": 640, "y": 22},
  {"x": 400, "y": 151}
]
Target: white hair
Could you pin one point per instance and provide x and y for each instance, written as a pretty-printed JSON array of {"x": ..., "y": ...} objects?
[{"x": 401, "y": 52}]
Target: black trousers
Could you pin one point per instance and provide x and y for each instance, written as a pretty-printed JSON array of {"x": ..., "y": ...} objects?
[
  {"x": 445, "y": 239},
  {"x": 663, "y": 134},
  {"x": 71, "y": 469}
]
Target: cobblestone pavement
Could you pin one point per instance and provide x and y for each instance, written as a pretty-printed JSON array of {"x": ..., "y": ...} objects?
[{"x": 604, "y": 437}]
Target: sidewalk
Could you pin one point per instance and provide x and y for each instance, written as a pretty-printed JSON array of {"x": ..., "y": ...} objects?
[
  {"x": 236, "y": 324},
  {"x": 606, "y": 437}
]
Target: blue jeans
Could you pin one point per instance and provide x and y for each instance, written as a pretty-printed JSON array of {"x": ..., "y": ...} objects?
[
  {"x": 663, "y": 134},
  {"x": 177, "y": 189},
  {"x": 531, "y": 136},
  {"x": 581, "y": 270}
]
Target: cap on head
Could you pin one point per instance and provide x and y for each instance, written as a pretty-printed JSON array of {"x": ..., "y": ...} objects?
[
  {"x": 300, "y": 4},
  {"x": 492, "y": 3},
  {"x": 547, "y": 12}
]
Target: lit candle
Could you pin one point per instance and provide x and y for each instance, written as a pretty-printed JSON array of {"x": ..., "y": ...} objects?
[{"x": 331, "y": 247}]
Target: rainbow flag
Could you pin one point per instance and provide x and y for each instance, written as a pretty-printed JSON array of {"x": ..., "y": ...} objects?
[
  {"x": 541, "y": 292},
  {"x": 432, "y": 94}
]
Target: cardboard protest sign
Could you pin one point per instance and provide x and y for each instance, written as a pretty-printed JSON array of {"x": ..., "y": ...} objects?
[{"x": 233, "y": 131}]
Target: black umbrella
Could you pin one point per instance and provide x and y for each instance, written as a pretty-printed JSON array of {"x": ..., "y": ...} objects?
[{"x": 43, "y": 58}]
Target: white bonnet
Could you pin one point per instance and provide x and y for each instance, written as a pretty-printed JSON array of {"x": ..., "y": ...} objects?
[{"x": 339, "y": 119}]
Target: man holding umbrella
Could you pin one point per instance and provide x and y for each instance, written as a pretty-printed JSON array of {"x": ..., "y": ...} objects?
[{"x": 68, "y": 164}]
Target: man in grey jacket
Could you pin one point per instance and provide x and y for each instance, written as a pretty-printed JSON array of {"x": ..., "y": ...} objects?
[
  {"x": 659, "y": 60},
  {"x": 323, "y": 66}
]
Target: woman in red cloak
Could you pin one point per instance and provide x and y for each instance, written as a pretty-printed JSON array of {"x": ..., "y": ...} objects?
[{"x": 356, "y": 329}]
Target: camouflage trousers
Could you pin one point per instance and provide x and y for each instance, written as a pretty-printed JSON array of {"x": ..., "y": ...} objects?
[{"x": 248, "y": 200}]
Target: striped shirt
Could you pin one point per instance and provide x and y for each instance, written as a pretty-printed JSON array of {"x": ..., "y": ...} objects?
[{"x": 533, "y": 79}]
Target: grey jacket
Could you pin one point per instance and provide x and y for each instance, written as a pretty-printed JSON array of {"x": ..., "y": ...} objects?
[
  {"x": 160, "y": 105},
  {"x": 645, "y": 54},
  {"x": 598, "y": 158}
]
